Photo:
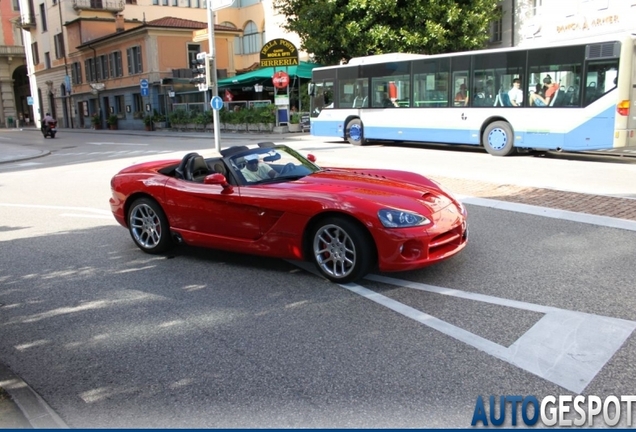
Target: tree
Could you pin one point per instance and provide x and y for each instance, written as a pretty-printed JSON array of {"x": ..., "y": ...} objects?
[{"x": 335, "y": 30}]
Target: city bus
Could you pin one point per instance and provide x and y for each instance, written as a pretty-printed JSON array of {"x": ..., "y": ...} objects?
[{"x": 570, "y": 97}]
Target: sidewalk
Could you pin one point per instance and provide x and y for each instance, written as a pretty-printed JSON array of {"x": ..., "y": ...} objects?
[{"x": 21, "y": 407}]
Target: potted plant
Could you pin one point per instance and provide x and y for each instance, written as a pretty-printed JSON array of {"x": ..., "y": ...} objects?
[
  {"x": 96, "y": 121},
  {"x": 112, "y": 121},
  {"x": 148, "y": 122},
  {"x": 294, "y": 123}
]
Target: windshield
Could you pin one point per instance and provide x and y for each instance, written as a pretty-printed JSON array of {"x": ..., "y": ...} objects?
[{"x": 272, "y": 164}]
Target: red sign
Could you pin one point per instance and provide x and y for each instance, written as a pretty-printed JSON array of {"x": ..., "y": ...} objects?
[
  {"x": 228, "y": 96},
  {"x": 280, "y": 80}
]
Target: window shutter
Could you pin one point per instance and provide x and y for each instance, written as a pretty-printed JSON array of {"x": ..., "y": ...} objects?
[
  {"x": 118, "y": 56},
  {"x": 129, "y": 59},
  {"x": 140, "y": 68}
]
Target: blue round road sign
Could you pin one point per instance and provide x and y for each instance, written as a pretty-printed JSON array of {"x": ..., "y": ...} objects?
[
  {"x": 216, "y": 103},
  {"x": 143, "y": 83}
]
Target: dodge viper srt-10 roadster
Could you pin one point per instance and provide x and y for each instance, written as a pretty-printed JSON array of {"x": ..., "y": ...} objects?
[{"x": 267, "y": 199}]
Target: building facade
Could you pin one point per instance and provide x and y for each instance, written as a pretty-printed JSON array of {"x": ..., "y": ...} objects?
[
  {"x": 14, "y": 85},
  {"x": 543, "y": 22},
  {"x": 91, "y": 57}
]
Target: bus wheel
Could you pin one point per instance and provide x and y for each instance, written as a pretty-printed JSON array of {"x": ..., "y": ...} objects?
[
  {"x": 498, "y": 139},
  {"x": 354, "y": 132}
]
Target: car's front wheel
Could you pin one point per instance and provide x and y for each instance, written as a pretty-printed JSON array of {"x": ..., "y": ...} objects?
[
  {"x": 341, "y": 250},
  {"x": 148, "y": 226}
]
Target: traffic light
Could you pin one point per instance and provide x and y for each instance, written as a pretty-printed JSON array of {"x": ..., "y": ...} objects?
[{"x": 201, "y": 71}]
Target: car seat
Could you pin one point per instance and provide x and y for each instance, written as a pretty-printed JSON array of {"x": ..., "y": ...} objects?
[{"x": 197, "y": 169}]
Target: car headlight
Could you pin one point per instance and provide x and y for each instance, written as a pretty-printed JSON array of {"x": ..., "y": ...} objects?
[{"x": 399, "y": 219}]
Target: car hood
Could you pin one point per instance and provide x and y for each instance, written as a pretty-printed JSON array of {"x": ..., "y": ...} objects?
[{"x": 397, "y": 189}]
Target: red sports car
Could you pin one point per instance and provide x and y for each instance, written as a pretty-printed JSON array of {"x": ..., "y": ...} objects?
[{"x": 269, "y": 200}]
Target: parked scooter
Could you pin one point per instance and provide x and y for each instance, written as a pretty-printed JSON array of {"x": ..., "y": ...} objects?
[{"x": 50, "y": 129}]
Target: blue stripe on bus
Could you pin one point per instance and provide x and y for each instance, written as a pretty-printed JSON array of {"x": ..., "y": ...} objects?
[{"x": 594, "y": 134}]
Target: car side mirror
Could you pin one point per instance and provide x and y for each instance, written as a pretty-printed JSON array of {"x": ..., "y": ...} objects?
[
  {"x": 311, "y": 158},
  {"x": 311, "y": 89},
  {"x": 218, "y": 179}
]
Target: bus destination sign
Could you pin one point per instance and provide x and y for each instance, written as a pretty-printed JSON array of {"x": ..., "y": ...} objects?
[{"x": 279, "y": 52}]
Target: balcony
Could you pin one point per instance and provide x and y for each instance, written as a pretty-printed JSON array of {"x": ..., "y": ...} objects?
[
  {"x": 99, "y": 5},
  {"x": 11, "y": 51},
  {"x": 27, "y": 21}
]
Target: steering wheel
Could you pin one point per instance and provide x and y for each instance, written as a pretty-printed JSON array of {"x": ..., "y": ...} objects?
[
  {"x": 288, "y": 168},
  {"x": 181, "y": 169}
]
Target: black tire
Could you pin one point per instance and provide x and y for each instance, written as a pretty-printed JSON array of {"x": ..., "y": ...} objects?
[
  {"x": 354, "y": 132},
  {"x": 499, "y": 139},
  {"x": 341, "y": 250},
  {"x": 52, "y": 134},
  {"x": 148, "y": 226}
]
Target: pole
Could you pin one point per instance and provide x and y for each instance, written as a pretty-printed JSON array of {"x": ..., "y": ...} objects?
[
  {"x": 212, "y": 72},
  {"x": 67, "y": 100}
]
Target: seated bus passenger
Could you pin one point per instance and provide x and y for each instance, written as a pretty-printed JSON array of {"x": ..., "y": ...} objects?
[
  {"x": 461, "y": 97},
  {"x": 549, "y": 88},
  {"x": 515, "y": 94}
]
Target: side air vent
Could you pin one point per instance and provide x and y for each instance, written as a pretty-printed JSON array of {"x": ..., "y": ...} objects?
[{"x": 603, "y": 50}]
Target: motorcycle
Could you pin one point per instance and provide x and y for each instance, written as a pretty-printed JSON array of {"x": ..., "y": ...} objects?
[{"x": 50, "y": 129}]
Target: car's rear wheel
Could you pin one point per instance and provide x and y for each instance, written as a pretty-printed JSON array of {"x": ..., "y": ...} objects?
[
  {"x": 148, "y": 226},
  {"x": 355, "y": 132},
  {"x": 498, "y": 139},
  {"x": 341, "y": 250}
]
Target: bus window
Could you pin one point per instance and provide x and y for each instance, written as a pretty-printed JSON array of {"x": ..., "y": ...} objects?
[
  {"x": 347, "y": 93},
  {"x": 323, "y": 98},
  {"x": 430, "y": 83},
  {"x": 361, "y": 94},
  {"x": 600, "y": 78},
  {"x": 555, "y": 84},
  {"x": 460, "y": 87},
  {"x": 483, "y": 88},
  {"x": 391, "y": 91}
]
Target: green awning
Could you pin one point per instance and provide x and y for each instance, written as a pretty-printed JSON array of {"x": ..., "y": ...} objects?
[{"x": 260, "y": 76}]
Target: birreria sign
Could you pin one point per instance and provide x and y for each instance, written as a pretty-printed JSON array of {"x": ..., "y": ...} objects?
[
  {"x": 279, "y": 52},
  {"x": 562, "y": 410}
]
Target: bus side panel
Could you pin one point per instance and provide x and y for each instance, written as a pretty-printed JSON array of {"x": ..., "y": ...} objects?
[
  {"x": 595, "y": 133},
  {"x": 422, "y": 125},
  {"x": 327, "y": 124}
]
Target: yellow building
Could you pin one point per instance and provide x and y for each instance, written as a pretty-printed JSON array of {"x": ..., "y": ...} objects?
[{"x": 92, "y": 58}]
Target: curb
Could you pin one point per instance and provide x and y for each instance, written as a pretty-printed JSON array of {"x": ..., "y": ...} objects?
[
  {"x": 23, "y": 158},
  {"x": 37, "y": 412}
]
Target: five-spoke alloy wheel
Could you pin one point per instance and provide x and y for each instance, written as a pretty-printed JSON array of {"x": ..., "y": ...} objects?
[
  {"x": 148, "y": 226},
  {"x": 341, "y": 250}
]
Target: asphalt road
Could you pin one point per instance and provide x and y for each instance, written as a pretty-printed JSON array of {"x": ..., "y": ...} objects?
[{"x": 111, "y": 337}]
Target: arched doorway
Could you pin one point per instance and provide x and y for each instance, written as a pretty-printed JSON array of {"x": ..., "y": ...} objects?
[{"x": 21, "y": 91}]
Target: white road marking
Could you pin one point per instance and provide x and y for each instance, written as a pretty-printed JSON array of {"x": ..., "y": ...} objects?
[
  {"x": 565, "y": 347},
  {"x": 53, "y": 207},
  {"x": 94, "y": 216},
  {"x": 606, "y": 221},
  {"x": 116, "y": 143}
]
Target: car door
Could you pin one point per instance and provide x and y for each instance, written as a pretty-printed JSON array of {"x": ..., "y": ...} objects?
[{"x": 210, "y": 210}]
